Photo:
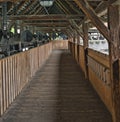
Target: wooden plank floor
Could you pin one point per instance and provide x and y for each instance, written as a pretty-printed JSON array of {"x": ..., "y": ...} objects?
[{"x": 58, "y": 93}]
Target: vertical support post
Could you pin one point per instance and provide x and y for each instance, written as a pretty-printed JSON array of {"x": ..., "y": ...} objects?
[
  {"x": 85, "y": 44},
  {"x": 33, "y": 29},
  {"x": 15, "y": 27},
  {"x": 78, "y": 39},
  {"x": 4, "y": 16},
  {"x": 78, "y": 42},
  {"x": 73, "y": 37},
  {"x": 15, "y": 10},
  {"x": 73, "y": 46},
  {"x": 114, "y": 51},
  {"x": 17, "y": 24}
]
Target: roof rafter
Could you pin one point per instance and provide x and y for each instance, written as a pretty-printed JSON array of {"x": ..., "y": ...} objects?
[
  {"x": 45, "y": 17},
  {"x": 48, "y": 24},
  {"x": 90, "y": 13}
]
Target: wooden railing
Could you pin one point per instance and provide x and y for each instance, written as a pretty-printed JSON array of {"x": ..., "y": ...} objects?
[
  {"x": 16, "y": 71},
  {"x": 77, "y": 52},
  {"x": 98, "y": 69},
  {"x": 99, "y": 75},
  {"x": 60, "y": 44}
]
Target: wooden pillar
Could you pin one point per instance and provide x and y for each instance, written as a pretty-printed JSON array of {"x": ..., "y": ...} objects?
[
  {"x": 77, "y": 38},
  {"x": 73, "y": 45},
  {"x": 78, "y": 43},
  {"x": 85, "y": 44},
  {"x": 17, "y": 26},
  {"x": 4, "y": 16},
  {"x": 114, "y": 50}
]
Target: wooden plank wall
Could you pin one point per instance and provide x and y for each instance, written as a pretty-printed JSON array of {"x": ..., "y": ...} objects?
[
  {"x": 60, "y": 44},
  {"x": 77, "y": 52},
  {"x": 81, "y": 58},
  {"x": 98, "y": 71},
  {"x": 99, "y": 75},
  {"x": 16, "y": 71}
]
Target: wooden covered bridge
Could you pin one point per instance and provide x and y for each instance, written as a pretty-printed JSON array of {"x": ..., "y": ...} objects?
[{"x": 61, "y": 80}]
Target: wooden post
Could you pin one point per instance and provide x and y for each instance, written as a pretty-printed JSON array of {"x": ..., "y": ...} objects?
[
  {"x": 85, "y": 44},
  {"x": 4, "y": 16},
  {"x": 114, "y": 50},
  {"x": 78, "y": 42},
  {"x": 73, "y": 46}
]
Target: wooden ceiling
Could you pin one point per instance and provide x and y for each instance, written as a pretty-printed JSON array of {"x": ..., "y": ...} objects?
[{"x": 64, "y": 15}]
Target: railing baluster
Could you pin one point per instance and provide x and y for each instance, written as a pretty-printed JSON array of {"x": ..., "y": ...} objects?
[{"x": 16, "y": 70}]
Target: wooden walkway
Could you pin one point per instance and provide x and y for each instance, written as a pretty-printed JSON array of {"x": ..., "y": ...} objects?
[{"x": 58, "y": 93}]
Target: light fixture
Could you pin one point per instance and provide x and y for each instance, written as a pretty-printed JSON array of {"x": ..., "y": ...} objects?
[{"x": 46, "y": 3}]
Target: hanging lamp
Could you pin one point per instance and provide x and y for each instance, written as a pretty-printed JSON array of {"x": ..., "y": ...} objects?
[{"x": 46, "y": 3}]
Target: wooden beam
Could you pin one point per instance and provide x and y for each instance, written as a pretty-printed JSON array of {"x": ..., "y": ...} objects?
[
  {"x": 14, "y": 0},
  {"x": 112, "y": 1},
  {"x": 63, "y": 7},
  {"x": 101, "y": 7},
  {"x": 85, "y": 45},
  {"x": 51, "y": 28},
  {"x": 100, "y": 10},
  {"x": 28, "y": 7},
  {"x": 114, "y": 52},
  {"x": 45, "y": 17},
  {"x": 85, "y": 35},
  {"x": 48, "y": 24},
  {"x": 76, "y": 27},
  {"x": 20, "y": 7},
  {"x": 73, "y": 7},
  {"x": 72, "y": 30},
  {"x": 59, "y": 6},
  {"x": 37, "y": 11},
  {"x": 69, "y": 32},
  {"x": 13, "y": 8},
  {"x": 93, "y": 17},
  {"x": 72, "y": 22}
]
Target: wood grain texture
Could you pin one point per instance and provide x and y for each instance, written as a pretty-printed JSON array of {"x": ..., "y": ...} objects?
[
  {"x": 60, "y": 44},
  {"x": 114, "y": 47},
  {"x": 90, "y": 13},
  {"x": 17, "y": 70},
  {"x": 98, "y": 73},
  {"x": 58, "y": 92}
]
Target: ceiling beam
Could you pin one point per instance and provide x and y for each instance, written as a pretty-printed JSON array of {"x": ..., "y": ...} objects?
[
  {"x": 62, "y": 7},
  {"x": 90, "y": 13},
  {"x": 51, "y": 29},
  {"x": 14, "y": 0},
  {"x": 104, "y": 4},
  {"x": 44, "y": 28},
  {"x": 65, "y": 7},
  {"x": 28, "y": 7},
  {"x": 38, "y": 10},
  {"x": 48, "y": 24},
  {"x": 95, "y": 0},
  {"x": 100, "y": 10},
  {"x": 45, "y": 17},
  {"x": 76, "y": 27},
  {"x": 73, "y": 7},
  {"x": 73, "y": 26},
  {"x": 101, "y": 7},
  {"x": 13, "y": 7}
]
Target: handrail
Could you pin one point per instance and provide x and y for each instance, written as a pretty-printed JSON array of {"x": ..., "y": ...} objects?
[
  {"x": 98, "y": 69},
  {"x": 16, "y": 71}
]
